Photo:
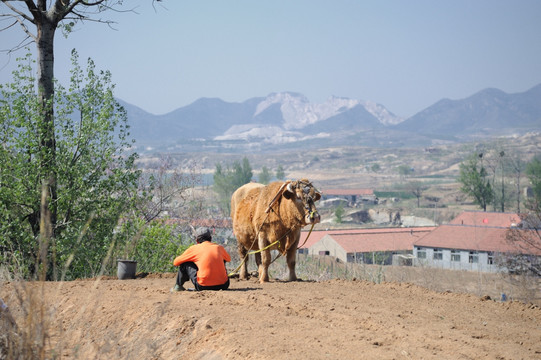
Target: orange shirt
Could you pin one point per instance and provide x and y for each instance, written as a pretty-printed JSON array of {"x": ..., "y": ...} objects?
[{"x": 209, "y": 258}]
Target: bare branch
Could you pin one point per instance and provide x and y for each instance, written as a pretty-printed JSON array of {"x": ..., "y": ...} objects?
[
  {"x": 61, "y": 9},
  {"x": 20, "y": 18},
  {"x": 31, "y": 8},
  {"x": 24, "y": 43},
  {"x": 85, "y": 15},
  {"x": 7, "y": 27},
  {"x": 26, "y": 30},
  {"x": 155, "y": 1},
  {"x": 87, "y": 3}
]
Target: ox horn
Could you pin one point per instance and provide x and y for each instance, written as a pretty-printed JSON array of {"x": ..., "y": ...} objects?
[{"x": 290, "y": 188}]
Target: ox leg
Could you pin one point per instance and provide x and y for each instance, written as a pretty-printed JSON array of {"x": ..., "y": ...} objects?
[
  {"x": 243, "y": 272},
  {"x": 257, "y": 259},
  {"x": 291, "y": 262},
  {"x": 264, "y": 267}
]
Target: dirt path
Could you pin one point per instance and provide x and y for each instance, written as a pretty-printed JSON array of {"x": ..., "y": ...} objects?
[{"x": 337, "y": 319}]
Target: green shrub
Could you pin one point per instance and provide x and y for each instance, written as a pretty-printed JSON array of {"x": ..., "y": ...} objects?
[{"x": 154, "y": 246}]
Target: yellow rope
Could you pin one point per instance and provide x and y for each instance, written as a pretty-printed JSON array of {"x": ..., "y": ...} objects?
[
  {"x": 305, "y": 240},
  {"x": 307, "y": 236},
  {"x": 251, "y": 253},
  {"x": 268, "y": 246}
]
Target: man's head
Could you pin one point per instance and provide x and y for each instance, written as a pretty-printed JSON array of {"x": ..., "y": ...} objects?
[{"x": 202, "y": 234}]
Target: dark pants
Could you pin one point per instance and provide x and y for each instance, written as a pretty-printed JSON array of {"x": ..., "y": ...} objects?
[{"x": 188, "y": 271}]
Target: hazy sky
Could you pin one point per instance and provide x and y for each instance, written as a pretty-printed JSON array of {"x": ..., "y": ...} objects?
[{"x": 405, "y": 55}]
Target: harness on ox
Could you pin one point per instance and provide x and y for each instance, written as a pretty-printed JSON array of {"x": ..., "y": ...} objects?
[{"x": 309, "y": 191}]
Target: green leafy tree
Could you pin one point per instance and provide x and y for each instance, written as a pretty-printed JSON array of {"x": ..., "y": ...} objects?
[
  {"x": 154, "y": 245},
  {"x": 404, "y": 170},
  {"x": 227, "y": 180},
  {"x": 375, "y": 167},
  {"x": 95, "y": 177},
  {"x": 45, "y": 18},
  {"x": 35, "y": 15},
  {"x": 280, "y": 174},
  {"x": 339, "y": 213},
  {"x": 242, "y": 172},
  {"x": 474, "y": 183},
  {"x": 264, "y": 175}
]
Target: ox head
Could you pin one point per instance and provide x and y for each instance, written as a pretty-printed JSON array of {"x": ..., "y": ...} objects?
[{"x": 305, "y": 195}]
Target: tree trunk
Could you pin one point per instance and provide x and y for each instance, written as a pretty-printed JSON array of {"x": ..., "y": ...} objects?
[{"x": 45, "y": 46}]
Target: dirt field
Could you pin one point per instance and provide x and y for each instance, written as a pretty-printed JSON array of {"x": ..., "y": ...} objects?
[{"x": 334, "y": 319}]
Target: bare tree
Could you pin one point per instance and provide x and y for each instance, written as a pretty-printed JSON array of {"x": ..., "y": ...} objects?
[
  {"x": 526, "y": 236},
  {"x": 417, "y": 188},
  {"x": 502, "y": 168},
  {"x": 517, "y": 165},
  {"x": 526, "y": 239},
  {"x": 168, "y": 188},
  {"x": 39, "y": 21}
]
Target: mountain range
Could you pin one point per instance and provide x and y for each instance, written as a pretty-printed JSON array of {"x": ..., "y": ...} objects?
[{"x": 288, "y": 120}]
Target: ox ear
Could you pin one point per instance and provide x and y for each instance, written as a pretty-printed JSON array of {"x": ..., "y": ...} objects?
[
  {"x": 317, "y": 196},
  {"x": 289, "y": 192}
]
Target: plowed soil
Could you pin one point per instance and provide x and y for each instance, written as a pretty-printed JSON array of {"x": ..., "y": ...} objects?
[{"x": 334, "y": 319}]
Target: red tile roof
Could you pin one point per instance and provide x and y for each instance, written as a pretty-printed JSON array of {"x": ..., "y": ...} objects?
[
  {"x": 316, "y": 235},
  {"x": 368, "y": 240},
  {"x": 480, "y": 231},
  {"x": 465, "y": 237},
  {"x": 486, "y": 219}
]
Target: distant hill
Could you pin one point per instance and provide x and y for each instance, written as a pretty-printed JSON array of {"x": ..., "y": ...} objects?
[
  {"x": 490, "y": 112},
  {"x": 288, "y": 120},
  {"x": 203, "y": 119}
]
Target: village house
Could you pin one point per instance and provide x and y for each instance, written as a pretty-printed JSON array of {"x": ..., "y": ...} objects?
[
  {"x": 472, "y": 241},
  {"x": 384, "y": 246}
]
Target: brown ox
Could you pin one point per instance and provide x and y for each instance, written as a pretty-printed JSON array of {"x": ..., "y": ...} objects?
[{"x": 272, "y": 214}]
